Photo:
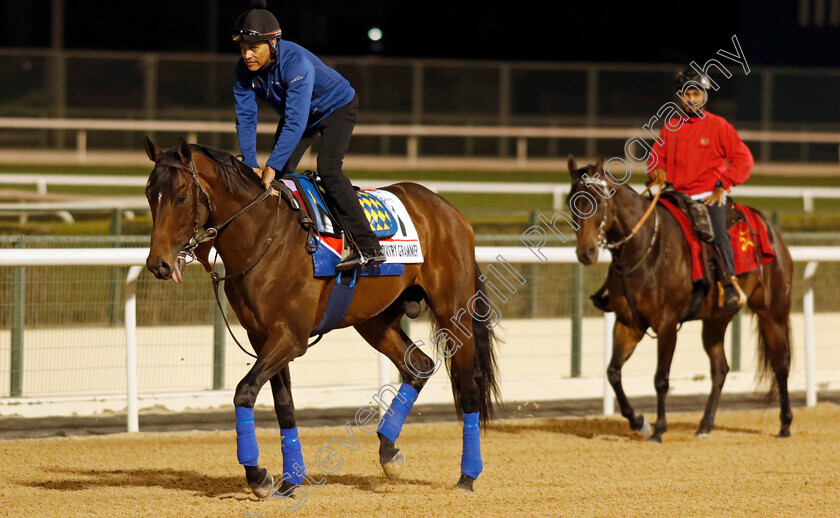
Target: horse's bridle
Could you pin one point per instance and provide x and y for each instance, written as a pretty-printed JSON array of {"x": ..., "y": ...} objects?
[
  {"x": 210, "y": 233},
  {"x": 602, "y": 227}
]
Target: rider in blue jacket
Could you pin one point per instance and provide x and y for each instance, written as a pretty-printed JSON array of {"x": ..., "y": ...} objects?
[{"x": 310, "y": 98}]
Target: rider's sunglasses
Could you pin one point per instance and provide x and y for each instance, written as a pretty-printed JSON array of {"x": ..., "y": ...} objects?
[{"x": 246, "y": 32}]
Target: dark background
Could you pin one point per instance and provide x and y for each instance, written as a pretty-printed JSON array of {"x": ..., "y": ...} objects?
[{"x": 770, "y": 31}]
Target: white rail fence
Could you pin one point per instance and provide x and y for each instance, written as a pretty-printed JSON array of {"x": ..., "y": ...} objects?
[
  {"x": 413, "y": 133},
  {"x": 135, "y": 259},
  {"x": 558, "y": 190}
]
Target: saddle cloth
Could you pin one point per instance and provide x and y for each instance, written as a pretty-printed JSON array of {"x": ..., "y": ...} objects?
[
  {"x": 387, "y": 216},
  {"x": 748, "y": 235}
]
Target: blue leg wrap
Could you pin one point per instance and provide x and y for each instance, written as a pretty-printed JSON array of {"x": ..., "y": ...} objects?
[
  {"x": 394, "y": 418},
  {"x": 247, "y": 450},
  {"x": 292, "y": 455},
  {"x": 471, "y": 455}
]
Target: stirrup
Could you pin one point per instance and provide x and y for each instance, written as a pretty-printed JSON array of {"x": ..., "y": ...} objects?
[
  {"x": 742, "y": 297},
  {"x": 358, "y": 259},
  {"x": 351, "y": 262},
  {"x": 725, "y": 302}
]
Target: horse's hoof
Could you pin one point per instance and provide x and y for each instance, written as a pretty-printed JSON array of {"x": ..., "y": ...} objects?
[
  {"x": 465, "y": 484},
  {"x": 784, "y": 434},
  {"x": 286, "y": 490},
  {"x": 263, "y": 489},
  {"x": 394, "y": 467},
  {"x": 701, "y": 435},
  {"x": 656, "y": 439},
  {"x": 645, "y": 429}
]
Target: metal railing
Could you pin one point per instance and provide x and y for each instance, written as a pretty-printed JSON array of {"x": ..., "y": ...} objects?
[
  {"x": 134, "y": 258},
  {"x": 412, "y": 132},
  {"x": 137, "y": 203}
]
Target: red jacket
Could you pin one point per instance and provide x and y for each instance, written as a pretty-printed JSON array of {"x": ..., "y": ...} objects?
[{"x": 701, "y": 152}]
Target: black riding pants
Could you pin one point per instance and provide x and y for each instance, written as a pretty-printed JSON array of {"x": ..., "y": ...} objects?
[
  {"x": 717, "y": 213},
  {"x": 335, "y": 131}
]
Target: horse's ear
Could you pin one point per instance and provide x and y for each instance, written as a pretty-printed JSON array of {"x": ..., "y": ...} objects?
[
  {"x": 573, "y": 169},
  {"x": 572, "y": 164},
  {"x": 152, "y": 150},
  {"x": 599, "y": 165},
  {"x": 184, "y": 150}
]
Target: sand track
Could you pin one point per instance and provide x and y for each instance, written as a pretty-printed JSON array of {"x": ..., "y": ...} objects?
[{"x": 533, "y": 467}]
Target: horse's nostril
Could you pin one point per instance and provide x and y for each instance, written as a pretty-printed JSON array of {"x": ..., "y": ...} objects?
[{"x": 164, "y": 268}]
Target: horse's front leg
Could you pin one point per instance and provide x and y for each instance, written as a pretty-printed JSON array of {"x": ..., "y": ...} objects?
[
  {"x": 625, "y": 339},
  {"x": 274, "y": 356},
  {"x": 666, "y": 343},
  {"x": 294, "y": 467}
]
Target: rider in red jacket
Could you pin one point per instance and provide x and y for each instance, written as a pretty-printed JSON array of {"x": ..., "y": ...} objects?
[{"x": 703, "y": 157}]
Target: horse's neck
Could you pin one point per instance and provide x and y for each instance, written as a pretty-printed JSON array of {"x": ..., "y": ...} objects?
[
  {"x": 244, "y": 236},
  {"x": 628, "y": 208}
]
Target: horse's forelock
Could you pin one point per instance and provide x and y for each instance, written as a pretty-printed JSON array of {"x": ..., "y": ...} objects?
[{"x": 162, "y": 177}]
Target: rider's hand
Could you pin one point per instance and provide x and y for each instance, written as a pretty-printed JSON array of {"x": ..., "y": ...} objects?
[
  {"x": 268, "y": 177},
  {"x": 716, "y": 198},
  {"x": 658, "y": 175}
]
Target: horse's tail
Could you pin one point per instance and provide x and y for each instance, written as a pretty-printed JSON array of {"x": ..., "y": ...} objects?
[
  {"x": 773, "y": 323},
  {"x": 485, "y": 354},
  {"x": 766, "y": 373},
  {"x": 485, "y": 369}
]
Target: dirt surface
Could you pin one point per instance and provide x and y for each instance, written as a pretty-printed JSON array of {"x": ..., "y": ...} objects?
[
  {"x": 560, "y": 466},
  {"x": 158, "y": 420}
]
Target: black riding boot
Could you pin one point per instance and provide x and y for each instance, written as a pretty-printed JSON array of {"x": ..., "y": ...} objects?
[
  {"x": 368, "y": 251},
  {"x": 731, "y": 294}
]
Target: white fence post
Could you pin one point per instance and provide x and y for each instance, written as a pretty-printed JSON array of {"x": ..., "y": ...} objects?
[
  {"x": 808, "y": 314},
  {"x": 131, "y": 348}
]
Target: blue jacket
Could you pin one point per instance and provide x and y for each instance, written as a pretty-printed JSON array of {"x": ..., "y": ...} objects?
[{"x": 299, "y": 87}]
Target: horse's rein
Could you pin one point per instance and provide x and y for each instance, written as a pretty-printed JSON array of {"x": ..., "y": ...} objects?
[
  {"x": 637, "y": 226},
  {"x": 210, "y": 233}
]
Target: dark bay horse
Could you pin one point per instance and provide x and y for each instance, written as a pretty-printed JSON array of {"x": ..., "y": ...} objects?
[
  {"x": 271, "y": 287},
  {"x": 650, "y": 287}
]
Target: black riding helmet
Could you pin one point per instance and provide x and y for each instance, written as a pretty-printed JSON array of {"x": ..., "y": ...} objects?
[
  {"x": 256, "y": 25},
  {"x": 689, "y": 74}
]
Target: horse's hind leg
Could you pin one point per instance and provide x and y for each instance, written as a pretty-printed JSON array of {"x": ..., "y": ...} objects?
[
  {"x": 466, "y": 318},
  {"x": 713, "y": 333},
  {"x": 774, "y": 341},
  {"x": 385, "y": 334},
  {"x": 625, "y": 339}
]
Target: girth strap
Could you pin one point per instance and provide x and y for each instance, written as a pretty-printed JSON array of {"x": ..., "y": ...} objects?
[{"x": 338, "y": 303}]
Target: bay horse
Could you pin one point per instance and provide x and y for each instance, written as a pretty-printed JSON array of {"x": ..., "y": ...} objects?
[
  {"x": 650, "y": 287},
  {"x": 271, "y": 287}
]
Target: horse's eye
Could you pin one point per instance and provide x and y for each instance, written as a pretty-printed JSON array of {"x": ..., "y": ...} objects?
[{"x": 181, "y": 198}]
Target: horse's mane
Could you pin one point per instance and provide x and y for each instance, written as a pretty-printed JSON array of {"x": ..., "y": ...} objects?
[{"x": 236, "y": 176}]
